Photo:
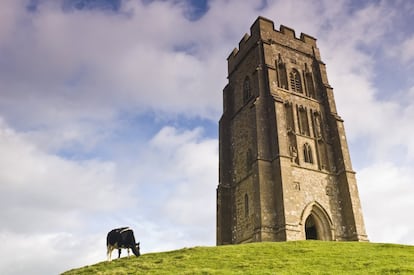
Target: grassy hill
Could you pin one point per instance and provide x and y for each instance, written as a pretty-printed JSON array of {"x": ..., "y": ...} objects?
[{"x": 302, "y": 257}]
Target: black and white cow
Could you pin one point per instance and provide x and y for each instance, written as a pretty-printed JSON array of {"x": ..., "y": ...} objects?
[{"x": 121, "y": 238}]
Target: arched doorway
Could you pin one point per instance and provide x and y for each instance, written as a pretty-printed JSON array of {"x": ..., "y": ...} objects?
[
  {"x": 310, "y": 228},
  {"x": 316, "y": 223}
]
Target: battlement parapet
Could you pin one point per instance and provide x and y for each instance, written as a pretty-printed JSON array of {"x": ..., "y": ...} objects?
[{"x": 263, "y": 29}]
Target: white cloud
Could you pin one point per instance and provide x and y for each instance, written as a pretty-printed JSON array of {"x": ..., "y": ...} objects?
[
  {"x": 84, "y": 61},
  {"x": 387, "y": 190},
  {"x": 43, "y": 198},
  {"x": 188, "y": 164},
  {"x": 176, "y": 175},
  {"x": 50, "y": 201},
  {"x": 45, "y": 192}
]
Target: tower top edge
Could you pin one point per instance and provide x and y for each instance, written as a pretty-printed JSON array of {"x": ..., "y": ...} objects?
[{"x": 263, "y": 29}]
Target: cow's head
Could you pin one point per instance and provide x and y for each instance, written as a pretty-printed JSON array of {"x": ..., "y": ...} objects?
[{"x": 137, "y": 249}]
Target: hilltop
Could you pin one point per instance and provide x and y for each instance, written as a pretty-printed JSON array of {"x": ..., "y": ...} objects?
[{"x": 301, "y": 257}]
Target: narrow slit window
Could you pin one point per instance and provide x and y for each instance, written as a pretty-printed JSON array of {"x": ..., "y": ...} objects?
[
  {"x": 249, "y": 160},
  {"x": 247, "y": 92},
  {"x": 246, "y": 205}
]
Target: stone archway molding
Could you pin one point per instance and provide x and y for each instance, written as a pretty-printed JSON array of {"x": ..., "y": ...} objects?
[{"x": 323, "y": 222}]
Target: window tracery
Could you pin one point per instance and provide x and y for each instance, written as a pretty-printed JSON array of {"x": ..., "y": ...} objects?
[
  {"x": 307, "y": 153},
  {"x": 295, "y": 81}
]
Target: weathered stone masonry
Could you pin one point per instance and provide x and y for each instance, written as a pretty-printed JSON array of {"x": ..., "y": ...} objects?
[{"x": 285, "y": 170}]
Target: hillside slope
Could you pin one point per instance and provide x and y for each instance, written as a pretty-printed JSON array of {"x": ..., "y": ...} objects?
[{"x": 302, "y": 257}]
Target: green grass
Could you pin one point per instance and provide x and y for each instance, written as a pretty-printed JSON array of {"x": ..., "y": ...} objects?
[{"x": 302, "y": 257}]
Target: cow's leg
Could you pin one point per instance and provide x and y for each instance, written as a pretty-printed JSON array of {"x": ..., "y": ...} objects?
[
  {"x": 128, "y": 251},
  {"x": 109, "y": 253},
  {"x": 119, "y": 253}
]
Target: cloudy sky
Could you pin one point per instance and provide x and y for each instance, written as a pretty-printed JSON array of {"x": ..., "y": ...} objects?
[{"x": 109, "y": 112}]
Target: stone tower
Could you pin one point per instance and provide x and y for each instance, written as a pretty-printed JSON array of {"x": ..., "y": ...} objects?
[{"x": 285, "y": 170}]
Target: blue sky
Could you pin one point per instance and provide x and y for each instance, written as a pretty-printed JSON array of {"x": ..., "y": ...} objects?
[{"x": 109, "y": 112}]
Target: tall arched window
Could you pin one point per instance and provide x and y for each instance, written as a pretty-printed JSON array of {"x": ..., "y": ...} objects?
[
  {"x": 295, "y": 82},
  {"x": 307, "y": 153},
  {"x": 247, "y": 92},
  {"x": 246, "y": 205}
]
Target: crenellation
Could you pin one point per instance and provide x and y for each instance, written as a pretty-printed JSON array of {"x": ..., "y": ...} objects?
[
  {"x": 289, "y": 32},
  {"x": 232, "y": 54},
  {"x": 243, "y": 41},
  {"x": 308, "y": 39},
  {"x": 263, "y": 29}
]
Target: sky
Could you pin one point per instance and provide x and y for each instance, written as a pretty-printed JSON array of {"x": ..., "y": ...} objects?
[{"x": 109, "y": 116}]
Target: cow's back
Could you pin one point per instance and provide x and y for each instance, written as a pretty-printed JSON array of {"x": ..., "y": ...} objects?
[
  {"x": 114, "y": 236},
  {"x": 127, "y": 236}
]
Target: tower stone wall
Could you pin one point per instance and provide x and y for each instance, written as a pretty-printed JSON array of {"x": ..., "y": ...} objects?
[{"x": 285, "y": 172}]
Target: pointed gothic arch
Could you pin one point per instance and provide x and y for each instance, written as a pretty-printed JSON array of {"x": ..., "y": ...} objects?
[{"x": 316, "y": 223}]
